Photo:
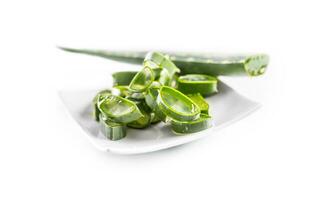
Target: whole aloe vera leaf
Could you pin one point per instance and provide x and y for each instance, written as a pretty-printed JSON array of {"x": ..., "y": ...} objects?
[{"x": 193, "y": 63}]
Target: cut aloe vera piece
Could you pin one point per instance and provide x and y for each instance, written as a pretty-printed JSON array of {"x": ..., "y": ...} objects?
[
  {"x": 135, "y": 96},
  {"x": 164, "y": 77},
  {"x": 160, "y": 114},
  {"x": 154, "y": 118},
  {"x": 95, "y": 101},
  {"x": 142, "y": 105},
  {"x": 176, "y": 105},
  {"x": 145, "y": 120},
  {"x": 157, "y": 72},
  {"x": 200, "y": 102},
  {"x": 119, "y": 109},
  {"x": 151, "y": 96},
  {"x": 142, "y": 122},
  {"x": 142, "y": 80},
  {"x": 158, "y": 60},
  {"x": 155, "y": 84},
  {"x": 197, "y": 83},
  {"x": 194, "y": 63},
  {"x": 123, "y": 78},
  {"x": 150, "y": 99},
  {"x": 112, "y": 130},
  {"x": 120, "y": 90},
  {"x": 187, "y": 127}
]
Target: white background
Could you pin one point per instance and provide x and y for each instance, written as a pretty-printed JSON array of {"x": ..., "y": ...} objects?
[{"x": 273, "y": 154}]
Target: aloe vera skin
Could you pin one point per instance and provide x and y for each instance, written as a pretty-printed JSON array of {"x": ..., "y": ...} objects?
[{"x": 251, "y": 65}]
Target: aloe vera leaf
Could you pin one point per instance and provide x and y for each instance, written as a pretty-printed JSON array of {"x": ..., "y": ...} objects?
[
  {"x": 176, "y": 105},
  {"x": 119, "y": 109},
  {"x": 197, "y": 83},
  {"x": 95, "y": 101},
  {"x": 123, "y": 78},
  {"x": 112, "y": 130},
  {"x": 142, "y": 80},
  {"x": 192, "y": 63},
  {"x": 200, "y": 102},
  {"x": 187, "y": 127},
  {"x": 158, "y": 60}
]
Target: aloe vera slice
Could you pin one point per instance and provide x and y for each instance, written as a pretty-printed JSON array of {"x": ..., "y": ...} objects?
[
  {"x": 192, "y": 63},
  {"x": 119, "y": 109},
  {"x": 135, "y": 96},
  {"x": 123, "y": 78},
  {"x": 164, "y": 77},
  {"x": 142, "y": 122},
  {"x": 200, "y": 102},
  {"x": 150, "y": 99},
  {"x": 187, "y": 127},
  {"x": 176, "y": 105},
  {"x": 151, "y": 96},
  {"x": 157, "y": 72},
  {"x": 142, "y": 80},
  {"x": 158, "y": 60},
  {"x": 120, "y": 90},
  {"x": 112, "y": 130},
  {"x": 197, "y": 83},
  {"x": 95, "y": 101},
  {"x": 154, "y": 118}
]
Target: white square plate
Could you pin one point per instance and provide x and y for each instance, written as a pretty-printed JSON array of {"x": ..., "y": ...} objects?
[{"x": 226, "y": 107}]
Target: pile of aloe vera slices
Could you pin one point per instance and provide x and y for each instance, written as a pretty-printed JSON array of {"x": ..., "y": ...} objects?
[{"x": 155, "y": 93}]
